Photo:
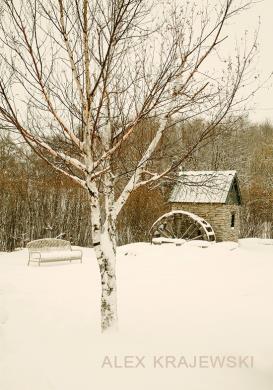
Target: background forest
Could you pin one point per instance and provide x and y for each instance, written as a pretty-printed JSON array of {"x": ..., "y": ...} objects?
[{"x": 36, "y": 201}]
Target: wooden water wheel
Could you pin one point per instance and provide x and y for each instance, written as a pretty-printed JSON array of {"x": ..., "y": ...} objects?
[{"x": 180, "y": 226}]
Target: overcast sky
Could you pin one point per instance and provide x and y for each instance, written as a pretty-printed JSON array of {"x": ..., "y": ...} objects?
[
  {"x": 263, "y": 101},
  {"x": 261, "y": 108}
]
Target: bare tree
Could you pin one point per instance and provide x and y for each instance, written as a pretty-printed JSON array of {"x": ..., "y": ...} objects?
[{"x": 88, "y": 73}]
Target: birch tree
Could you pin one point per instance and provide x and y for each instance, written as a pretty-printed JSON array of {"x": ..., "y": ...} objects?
[{"x": 90, "y": 72}]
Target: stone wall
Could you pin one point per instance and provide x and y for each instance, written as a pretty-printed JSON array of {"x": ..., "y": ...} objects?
[{"x": 218, "y": 215}]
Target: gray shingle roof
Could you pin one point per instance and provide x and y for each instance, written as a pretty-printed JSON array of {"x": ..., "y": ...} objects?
[{"x": 203, "y": 187}]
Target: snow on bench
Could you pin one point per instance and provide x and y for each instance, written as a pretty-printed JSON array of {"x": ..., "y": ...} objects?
[{"x": 52, "y": 249}]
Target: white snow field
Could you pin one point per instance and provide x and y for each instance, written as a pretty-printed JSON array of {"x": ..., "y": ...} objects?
[{"x": 176, "y": 304}]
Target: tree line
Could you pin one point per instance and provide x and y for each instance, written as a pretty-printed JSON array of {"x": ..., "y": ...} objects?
[{"x": 37, "y": 202}]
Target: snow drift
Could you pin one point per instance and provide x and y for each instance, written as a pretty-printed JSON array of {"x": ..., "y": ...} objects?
[{"x": 173, "y": 301}]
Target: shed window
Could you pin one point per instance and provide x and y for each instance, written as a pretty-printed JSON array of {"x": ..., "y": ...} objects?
[{"x": 232, "y": 224}]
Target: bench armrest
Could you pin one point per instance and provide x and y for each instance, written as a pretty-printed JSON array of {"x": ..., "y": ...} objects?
[
  {"x": 35, "y": 252},
  {"x": 30, "y": 257},
  {"x": 76, "y": 250}
]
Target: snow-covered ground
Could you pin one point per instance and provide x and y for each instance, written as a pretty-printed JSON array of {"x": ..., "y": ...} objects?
[{"x": 179, "y": 302}]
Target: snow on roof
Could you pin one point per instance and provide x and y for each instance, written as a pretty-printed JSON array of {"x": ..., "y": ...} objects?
[{"x": 202, "y": 187}]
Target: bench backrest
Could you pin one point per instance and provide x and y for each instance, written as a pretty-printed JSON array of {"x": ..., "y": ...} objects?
[{"x": 48, "y": 244}]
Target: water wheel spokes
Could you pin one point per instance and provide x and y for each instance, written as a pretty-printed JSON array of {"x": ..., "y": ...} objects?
[
  {"x": 181, "y": 226},
  {"x": 166, "y": 233}
]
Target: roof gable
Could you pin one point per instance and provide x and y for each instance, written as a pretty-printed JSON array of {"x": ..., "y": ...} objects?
[
  {"x": 234, "y": 194},
  {"x": 206, "y": 187}
]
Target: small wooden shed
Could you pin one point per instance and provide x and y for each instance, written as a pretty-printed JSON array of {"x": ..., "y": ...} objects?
[{"x": 212, "y": 195}]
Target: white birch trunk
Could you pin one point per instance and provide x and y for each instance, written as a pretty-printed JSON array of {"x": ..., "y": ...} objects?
[
  {"x": 104, "y": 243},
  {"x": 107, "y": 263}
]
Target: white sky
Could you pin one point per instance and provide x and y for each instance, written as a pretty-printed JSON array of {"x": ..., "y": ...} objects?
[{"x": 262, "y": 107}]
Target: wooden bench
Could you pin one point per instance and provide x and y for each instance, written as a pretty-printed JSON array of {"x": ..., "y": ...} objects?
[{"x": 52, "y": 249}]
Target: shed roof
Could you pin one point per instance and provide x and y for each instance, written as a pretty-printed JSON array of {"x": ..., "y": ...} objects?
[{"x": 206, "y": 187}]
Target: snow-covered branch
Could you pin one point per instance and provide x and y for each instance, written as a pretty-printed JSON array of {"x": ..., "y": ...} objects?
[{"x": 134, "y": 181}]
